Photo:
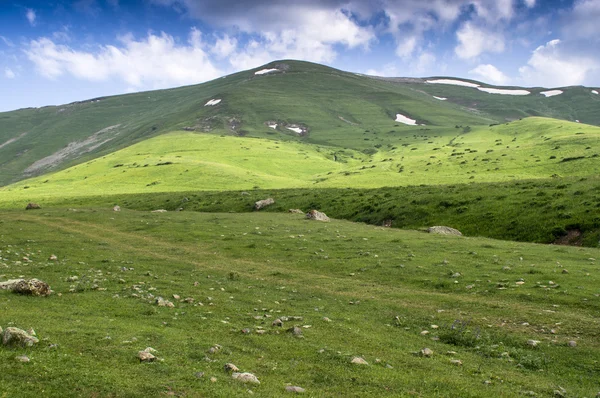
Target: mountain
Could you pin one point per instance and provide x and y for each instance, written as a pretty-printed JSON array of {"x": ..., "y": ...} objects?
[{"x": 284, "y": 101}]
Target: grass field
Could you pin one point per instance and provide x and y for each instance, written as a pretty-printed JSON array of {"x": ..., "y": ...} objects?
[{"x": 388, "y": 294}]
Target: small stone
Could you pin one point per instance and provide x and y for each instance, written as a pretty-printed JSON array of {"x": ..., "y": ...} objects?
[
  {"x": 22, "y": 358},
  {"x": 161, "y": 302},
  {"x": 199, "y": 375},
  {"x": 326, "y": 319},
  {"x": 424, "y": 332},
  {"x": 572, "y": 343},
  {"x": 213, "y": 379},
  {"x": 295, "y": 389},
  {"x": 564, "y": 271},
  {"x": 214, "y": 349},
  {"x": 52, "y": 258},
  {"x": 533, "y": 343},
  {"x": 229, "y": 367},
  {"x": 145, "y": 356},
  {"x": 32, "y": 206},
  {"x": 426, "y": 352},
  {"x": 277, "y": 322},
  {"x": 245, "y": 378},
  {"x": 296, "y": 331},
  {"x": 456, "y": 362},
  {"x": 176, "y": 296},
  {"x": 117, "y": 208},
  {"x": 359, "y": 361}
]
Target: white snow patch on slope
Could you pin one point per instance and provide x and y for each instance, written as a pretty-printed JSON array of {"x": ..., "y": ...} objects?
[
  {"x": 265, "y": 71},
  {"x": 212, "y": 102},
  {"x": 594, "y": 92},
  {"x": 440, "y": 98},
  {"x": 454, "y": 82},
  {"x": 503, "y": 91},
  {"x": 297, "y": 130},
  {"x": 406, "y": 120},
  {"x": 551, "y": 93}
]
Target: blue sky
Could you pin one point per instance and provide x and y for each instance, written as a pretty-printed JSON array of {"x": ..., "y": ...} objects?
[{"x": 57, "y": 51}]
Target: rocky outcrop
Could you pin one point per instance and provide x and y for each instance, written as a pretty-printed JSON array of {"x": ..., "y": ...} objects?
[
  {"x": 441, "y": 230},
  {"x": 317, "y": 215}
]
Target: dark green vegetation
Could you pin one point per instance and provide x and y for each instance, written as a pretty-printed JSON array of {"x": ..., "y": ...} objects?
[{"x": 480, "y": 301}]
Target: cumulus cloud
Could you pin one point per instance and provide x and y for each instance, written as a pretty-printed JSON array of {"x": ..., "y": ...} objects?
[
  {"x": 555, "y": 65},
  {"x": 156, "y": 61},
  {"x": 9, "y": 74},
  {"x": 31, "y": 16},
  {"x": 582, "y": 21},
  {"x": 490, "y": 74},
  {"x": 473, "y": 41}
]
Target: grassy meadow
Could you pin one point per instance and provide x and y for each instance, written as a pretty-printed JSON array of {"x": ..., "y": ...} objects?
[{"x": 353, "y": 290}]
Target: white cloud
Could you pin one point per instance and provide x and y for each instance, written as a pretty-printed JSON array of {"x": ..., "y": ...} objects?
[
  {"x": 490, "y": 74},
  {"x": 422, "y": 63},
  {"x": 9, "y": 74},
  {"x": 151, "y": 63},
  {"x": 406, "y": 46},
  {"x": 31, "y": 17},
  {"x": 7, "y": 41},
  {"x": 474, "y": 41},
  {"x": 555, "y": 65},
  {"x": 582, "y": 21},
  {"x": 224, "y": 46},
  {"x": 530, "y": 3}
]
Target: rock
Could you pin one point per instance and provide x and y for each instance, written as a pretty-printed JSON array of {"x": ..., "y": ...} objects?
[
  {"x": 159, "y": 211},
  {"x": 245, "y": 378},
  {"x": 441, "y": 230},
  {"x": 426, "y": 352},
  {"x": 199, "y": 375},
  {"x": 295, "y": 389},
  {"x": 161, "y": 302},
  {"x": 533, "y": 343},
  {"x": 214, "y": 349},
  {"x": 359, "y": 361},
  {"x": 22, "y": 358},
  {"x": 32, "y": 206},
  {"x": 295, "y": 211},
  {"x": 296, "y": 331},
  {"x": 317, "y": 216},
  {"x": 277, "y": 322},
  {"x": 261, "y": 204},
  {"x": 117, "y": 208},
  {"x": 53, "y": 258},
  {"x": 145, "y": 356},
  {"x": 32, "y": 287},
  {"x": 213, "y": 379},
  {"x": 564, "y": 271},
  {"x": 572, "y": 343},
  {"x": 326, "y": 319},
  {"x": 16, "y": 336},
  {"x": 229, "y": 367},
  {"x": 456, "y": 362}
]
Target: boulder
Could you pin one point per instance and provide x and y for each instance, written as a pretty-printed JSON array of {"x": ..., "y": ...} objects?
[
  {"x": 32, "y": 287},
  {"x": 16, "y": 336},
  {"x": 245, "y": 378},
  {"x": 441, "y": 230},
  {"x": 317, "y": 215},
  {"x": 32, "y": 206},
  {"x": 261, "y": 204}
]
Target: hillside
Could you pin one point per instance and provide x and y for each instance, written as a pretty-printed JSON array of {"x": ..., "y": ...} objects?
[{"x": 296, "y": 101}]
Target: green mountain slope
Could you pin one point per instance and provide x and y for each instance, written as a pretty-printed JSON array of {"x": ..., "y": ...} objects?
[{"x": 327, "y": 106}]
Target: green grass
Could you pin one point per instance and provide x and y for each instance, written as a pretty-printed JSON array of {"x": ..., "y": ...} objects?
[{"x": 380, "y": 287}]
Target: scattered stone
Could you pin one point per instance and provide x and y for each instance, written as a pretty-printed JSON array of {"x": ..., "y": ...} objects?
[
  {"x": 572, "y": 343},
  {"x": 295, "y": 389},
  {"x": 245, "y": 378},
  {"x": 32, "y": 206},
  {"x": 229, "y": 367},
  {"x": 146, "y": 356},
  {"x": 326, "y": 319},
  {"x": 277, "y": 322},
  {"x": 533, "y": 343},
  {"x": 261, "y": 204},
  {"x": 213, "y": 379},
  {"x": 117, "y": 208},
  {"x": 296, "y": 331},
  {"x": 214, "y": 349},
  {"x": 22, "y": 358},
  {"x": 159, "y": 211},
  {"x": 359, "y": 361},
  {"x": 246, "y": 331},
  {"x": 176, "y": 296},
  {"x": 456, "y": 362},
  {"x": 161, "y": 302},
  {"x": 426, "y": 352},
  {"x": 564, "y": 271},
  {"x": 199, "y": 375},
  {"x": 295, "y": 211},
  {"x": 317, "y": 216},
  {"x": 53, "y": 258},
  {"x": 442, "y": 230}
]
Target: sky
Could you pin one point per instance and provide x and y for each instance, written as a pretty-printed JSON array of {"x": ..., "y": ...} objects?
[{"x": 56, "y": 51}]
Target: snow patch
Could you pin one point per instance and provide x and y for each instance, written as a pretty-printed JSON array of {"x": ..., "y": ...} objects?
[
  {"x": 503, "y": 91},
  {"x": 440, "y": 98},
  {"x": 595, "y": 92},
  {"x": 273, "y": 126},
  {"x": 406, "y": 120},
  {"x": 453, "y": 82},
  {"x": 265, "y": 71},
  {"x": 297, "y": 130},
  {"x": 551, "y": 93},
  {"x": 212, "y": 102}
]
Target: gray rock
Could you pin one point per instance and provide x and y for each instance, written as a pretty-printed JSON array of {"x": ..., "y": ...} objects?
[
  {"x": 229, "y": 367},
  {"x": 295, "y": 389},
  {"x": 261, "y": 204},
  {"x": 426, "y": 352},
  {"x": 117, "y": 208},
  {"x": 359, "y": 361},
  {"x": 295, "y": 211},
  {"x": 161, "y": 302},
  {"x": 245, "y": 378},
  {"x": 22, "y": 358},
  {"x": 296, "y": 331},
  {"x": 15, "y": 336},
  {"x": 442, "y": 230},
  {"x": 317, "y": 216},
  {"x": 572, "y": 343},
  {"x": 32, "y": 287},
  {"x": 32, "y": 206}
]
